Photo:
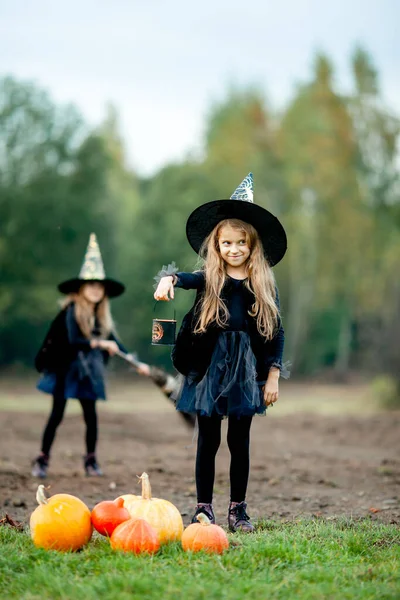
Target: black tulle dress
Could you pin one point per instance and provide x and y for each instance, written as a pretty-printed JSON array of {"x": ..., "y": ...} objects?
[
  {"x": 83, "y": 374},
  {"x": 229, "y": 386}
]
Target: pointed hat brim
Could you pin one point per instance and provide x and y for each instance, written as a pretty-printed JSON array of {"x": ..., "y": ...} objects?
[
  {"x": 112, "y": 288},
  {"x": 204, "y": 218}
]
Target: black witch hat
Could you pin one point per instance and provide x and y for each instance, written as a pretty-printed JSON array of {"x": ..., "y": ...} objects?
[
  {"x": 92, "y": 270},
  {"x": 239, "y": 206}
]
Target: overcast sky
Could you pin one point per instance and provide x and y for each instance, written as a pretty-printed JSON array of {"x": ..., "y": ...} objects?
[{"x": 163, "y": 63}]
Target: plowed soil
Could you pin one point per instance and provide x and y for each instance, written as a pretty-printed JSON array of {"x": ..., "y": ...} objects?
[{"x": 323, "y": 452}]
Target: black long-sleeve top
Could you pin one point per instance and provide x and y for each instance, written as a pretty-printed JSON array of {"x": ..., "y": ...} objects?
[{"x": 237, "y": 302}]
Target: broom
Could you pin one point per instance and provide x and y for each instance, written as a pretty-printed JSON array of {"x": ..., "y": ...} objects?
[{"x": 163, "y": 380}]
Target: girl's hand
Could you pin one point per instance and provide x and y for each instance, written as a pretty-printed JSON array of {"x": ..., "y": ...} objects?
[
  {"x": 271, "y": 388},
  {"x": 165, "y": 287},
  {"x": 109, "y": 346}
]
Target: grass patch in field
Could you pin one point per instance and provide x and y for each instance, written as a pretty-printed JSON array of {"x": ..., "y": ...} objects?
[
  {"x": 303, "y": 560},
  {"x": 143, "y": 396}
]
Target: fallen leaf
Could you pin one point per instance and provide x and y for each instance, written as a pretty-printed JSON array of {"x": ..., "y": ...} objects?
[{"x": 7, "y": 520}]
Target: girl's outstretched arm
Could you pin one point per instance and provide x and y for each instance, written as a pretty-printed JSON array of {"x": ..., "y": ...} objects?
[
  {"x": 167, "y": 283},
  {"x": 190, "y": 281}
]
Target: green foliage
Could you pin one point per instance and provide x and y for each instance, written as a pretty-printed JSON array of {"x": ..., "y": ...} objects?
[
  {"x": 304, "y": 560},
  {"x": 52, "y": 195},
  {"x": 325, "y": 220}
]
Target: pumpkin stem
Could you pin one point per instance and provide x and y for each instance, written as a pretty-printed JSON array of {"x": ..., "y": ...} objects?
[
  {"x": 146, "y": 488},
  {"x": 40, "y": 495},
  {"x": 203, "y": 519}
]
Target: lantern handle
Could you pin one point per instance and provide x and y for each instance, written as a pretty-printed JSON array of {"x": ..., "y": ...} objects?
[{"x": 154, "y": 309}]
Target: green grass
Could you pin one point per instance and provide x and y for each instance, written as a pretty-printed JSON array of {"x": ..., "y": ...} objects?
[
  {"x": 303, "y": 560},
  {"x": 138, "y": 396}
]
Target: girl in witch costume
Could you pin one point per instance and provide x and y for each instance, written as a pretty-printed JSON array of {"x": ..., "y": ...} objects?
[
  {"x": 230, "y": 344},
  {"x": 75, "y": 352}
]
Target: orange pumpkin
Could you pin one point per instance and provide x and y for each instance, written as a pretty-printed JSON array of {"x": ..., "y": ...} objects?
[
  {"x": 61, "y": 522},
  {"x": 204, "y": 536},
  {"x": 136, "y": 536},
  {"x": 107, "y": 515},
  {"x": 160, "y": 514}
]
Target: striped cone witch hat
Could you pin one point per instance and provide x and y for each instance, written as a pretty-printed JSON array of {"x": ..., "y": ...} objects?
[{"x": 92, "y": 270}]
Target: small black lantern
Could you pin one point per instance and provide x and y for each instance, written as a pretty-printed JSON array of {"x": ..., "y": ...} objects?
[{"x": 163, "y": 332}]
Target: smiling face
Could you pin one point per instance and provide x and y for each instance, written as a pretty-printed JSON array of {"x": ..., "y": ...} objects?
[
  {"x": 233, "y": 246},
  {"x": 93, "y": 292}
]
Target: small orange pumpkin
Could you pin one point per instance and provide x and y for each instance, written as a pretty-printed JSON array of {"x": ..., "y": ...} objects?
[
  {"x": 136, "y": 536},
  {"x": 205, "y": 536},
  {"x": 61, "y": 522},
  {"x": 160, "y": 514},
  {"x": 107, "y": 515}
]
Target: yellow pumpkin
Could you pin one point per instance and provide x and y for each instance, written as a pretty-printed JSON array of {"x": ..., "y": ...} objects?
[
  {"x": 128, "y": 498},
  {"x": 162, "y": 515},
  {"x": 61, "y": 522}
]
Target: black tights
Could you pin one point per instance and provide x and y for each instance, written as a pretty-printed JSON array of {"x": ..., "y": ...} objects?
[
  {"x": 207, "y": 445},
  {"x": 56, "y": 416}
]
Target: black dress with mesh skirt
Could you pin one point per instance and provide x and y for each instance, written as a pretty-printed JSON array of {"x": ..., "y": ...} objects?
[{"x": 230, "y": 386}]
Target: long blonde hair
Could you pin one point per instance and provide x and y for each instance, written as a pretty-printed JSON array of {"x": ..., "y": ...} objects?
[
  {"x": 260, "y": 281},
  {"x": 85, "y": 314}
]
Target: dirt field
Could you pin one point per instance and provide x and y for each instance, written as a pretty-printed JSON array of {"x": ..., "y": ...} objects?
[{"x": 322, "y": 451}]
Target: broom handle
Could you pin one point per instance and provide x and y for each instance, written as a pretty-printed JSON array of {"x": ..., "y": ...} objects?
[{"x": 128, "y": 358}]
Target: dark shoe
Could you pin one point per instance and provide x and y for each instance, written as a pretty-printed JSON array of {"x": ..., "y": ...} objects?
[
  {"x": 205, "y": 509},
  {"x": 92, "y": 468},
  {"x": 238, "y": 519},
  {"x": 39, "y": 466}
]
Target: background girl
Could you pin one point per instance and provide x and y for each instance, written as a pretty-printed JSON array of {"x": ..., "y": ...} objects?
[
  {"x": 230, "y": 343},
  {"x": 75, "y": 351}
]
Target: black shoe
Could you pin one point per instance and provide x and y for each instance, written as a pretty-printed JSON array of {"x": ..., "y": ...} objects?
[
  {"x": 92, "y": 468},
  {"x": 238, "y": 519},
  {"x": 40, "y": 466},
  {"x": 205, "y": 509}
]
